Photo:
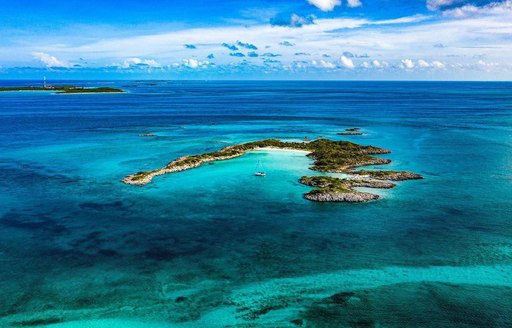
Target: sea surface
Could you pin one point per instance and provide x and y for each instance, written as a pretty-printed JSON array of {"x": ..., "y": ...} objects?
[{"x": 217, "y": 246}]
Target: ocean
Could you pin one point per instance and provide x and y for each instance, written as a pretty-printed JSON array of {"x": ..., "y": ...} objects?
[{"x": 218, "y": 247}]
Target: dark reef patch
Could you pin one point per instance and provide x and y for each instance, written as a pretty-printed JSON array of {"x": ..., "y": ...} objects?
[
  {"x": 37, "y": 322},
  {"x": 40, "y": 222},
  {"x": 414, "y": 305},
  {"x": 101, "y": 206}
]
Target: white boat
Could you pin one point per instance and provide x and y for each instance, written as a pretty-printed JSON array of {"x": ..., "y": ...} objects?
[{"x": 259, "y": 171}]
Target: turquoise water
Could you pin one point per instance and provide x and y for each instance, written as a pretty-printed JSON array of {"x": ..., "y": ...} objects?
[{"x": 218, "y": 247}]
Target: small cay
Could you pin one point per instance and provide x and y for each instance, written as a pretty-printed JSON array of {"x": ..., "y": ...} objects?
[
  {"x": 351, "y": 132},
  {"x": 63, "y": 89},
  {"x": 330, "y": 189},
  {"x": 328, "y": 156}
]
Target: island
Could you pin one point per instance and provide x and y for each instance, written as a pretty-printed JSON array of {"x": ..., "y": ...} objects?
[
  {"x": 64, "y": 89},
  {"x": 329, "y": 156},
  {"x": 331, "y": 189}
]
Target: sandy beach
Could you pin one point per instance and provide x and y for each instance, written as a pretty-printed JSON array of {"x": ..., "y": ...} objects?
[{"x": 282, "y": 149}]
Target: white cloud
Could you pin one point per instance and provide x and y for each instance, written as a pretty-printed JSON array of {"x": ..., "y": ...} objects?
[
  {"x": 487, "y": 64},
  {"x": 323, "y": 64},
  {"x": 325, "y": 5},
  {"x": 375, "y": 64},
  {"x": 354, "y": 3},
  {"x": 407, "y": 64},
  {"x": 347, "y": 62},
  {"x": 438, "y": 4},
  {"x": 437, "y": 64},
  {"x": 299, "y": 21},
  {"x": 423, "y": 64},
  {"x": 194, "y": 63},
  {"x": 138, "y": 61},
  {"x": 462, "y": 12},
  {"x": 494, "y": 8},
  {"x": 327, "y": 64},
  {"x": 49, "y": 61},
  {"x": 151, "y": 62}
]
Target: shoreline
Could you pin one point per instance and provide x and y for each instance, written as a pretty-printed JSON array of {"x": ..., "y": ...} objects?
[
  {"x": 282, "y": 149},
  {"x": 88, "y": 93}
]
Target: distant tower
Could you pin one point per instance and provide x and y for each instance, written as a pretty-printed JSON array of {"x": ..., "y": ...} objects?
[{"x": 44, "y": 82}]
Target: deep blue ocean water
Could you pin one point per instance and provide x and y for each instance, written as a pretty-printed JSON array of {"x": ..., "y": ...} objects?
[{"x": 218, "y": 247}]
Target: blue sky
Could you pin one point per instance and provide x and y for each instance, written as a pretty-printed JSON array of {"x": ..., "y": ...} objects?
[{"x": 248, "y": 39}]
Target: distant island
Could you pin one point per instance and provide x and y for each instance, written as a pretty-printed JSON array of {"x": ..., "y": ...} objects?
[
  {"x": 329, "y": 156},
  {"x": 63, "y": 89},
  {"x": 351, "y": 132}
]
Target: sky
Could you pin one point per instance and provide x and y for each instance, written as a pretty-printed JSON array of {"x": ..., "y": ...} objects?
[{"x": 249, "y": 39}]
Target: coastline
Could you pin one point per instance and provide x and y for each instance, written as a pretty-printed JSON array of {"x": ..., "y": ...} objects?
[
  {"x": 282, "y": 149},
  {"x": 63, "y": 89},
  {"x": 88, "y": 93}
]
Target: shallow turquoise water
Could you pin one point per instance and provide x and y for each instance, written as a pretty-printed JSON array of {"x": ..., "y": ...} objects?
[{"x": 218, "y": 247}]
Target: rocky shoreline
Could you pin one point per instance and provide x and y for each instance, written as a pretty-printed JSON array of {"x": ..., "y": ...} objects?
[
  {"x": 388, "y": 175},
  {"x": 328, "y": 156},
  {"x": 331, "y": 189},
  {"x": 351, "y": 132},
  {"x": 180, "y": 164},
  {"x": 341, "y": 197}
]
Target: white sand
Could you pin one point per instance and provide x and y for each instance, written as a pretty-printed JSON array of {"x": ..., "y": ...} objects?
[{"x": 282, "y": 149}]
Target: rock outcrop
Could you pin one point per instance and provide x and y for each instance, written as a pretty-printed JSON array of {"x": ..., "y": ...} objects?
[{"x": 336, "y": 196}]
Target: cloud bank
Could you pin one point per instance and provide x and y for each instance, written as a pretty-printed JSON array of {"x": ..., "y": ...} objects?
[{"x": 455, "y": 40}]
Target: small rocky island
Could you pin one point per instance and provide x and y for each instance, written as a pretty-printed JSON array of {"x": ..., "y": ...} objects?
[
  {"x": 351, "y": 132},
  {"x": 328, "y": 155},
  {"x": 64, "y": 89}
]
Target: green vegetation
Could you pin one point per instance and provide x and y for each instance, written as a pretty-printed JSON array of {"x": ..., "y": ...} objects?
[
  {"x": 327, "y": 184},
  {"x": 24, "y": 89},
  {"x": 389, "y": 175},
  {"x": 333, "y": 189},
  {"x": 141, "y": 175},
  {"x": 90, "y": 90},
  {"x": 342, "y": 156},
  {"x": 63, "y": 89}
]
